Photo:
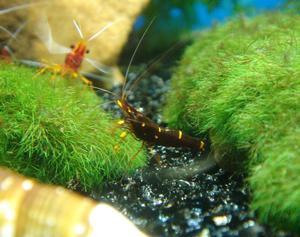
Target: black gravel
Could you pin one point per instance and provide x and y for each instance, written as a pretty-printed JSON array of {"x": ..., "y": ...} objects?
[{"x": 213, "y": 203}]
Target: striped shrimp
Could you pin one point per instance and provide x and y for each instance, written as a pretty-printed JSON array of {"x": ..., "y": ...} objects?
[{"x": 145, "y": 129}]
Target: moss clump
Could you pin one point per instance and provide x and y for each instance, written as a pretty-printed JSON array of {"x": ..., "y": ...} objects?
[
  {"x": 241, "y": 84},
  {"x": 54, "y": 130}
]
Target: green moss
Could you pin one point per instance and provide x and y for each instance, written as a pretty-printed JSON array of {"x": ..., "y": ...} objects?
[
  {"x": 240, "y": 83},
  {"x": 54, "y": 130}
]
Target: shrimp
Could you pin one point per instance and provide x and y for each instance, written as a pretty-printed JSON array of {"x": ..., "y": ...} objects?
[
  {"x": 146, "y": 130},
  {"x": 75, "y": 55}
]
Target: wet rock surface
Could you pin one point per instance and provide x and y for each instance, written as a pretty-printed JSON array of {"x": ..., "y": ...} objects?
[{"x": 167, "y": 199}]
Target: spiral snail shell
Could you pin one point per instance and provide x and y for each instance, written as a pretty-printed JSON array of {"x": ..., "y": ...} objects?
[{"x": 28, "y": 208}]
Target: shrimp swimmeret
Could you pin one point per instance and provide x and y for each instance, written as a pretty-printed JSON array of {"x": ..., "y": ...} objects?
[{"x": 75, "y": 55}]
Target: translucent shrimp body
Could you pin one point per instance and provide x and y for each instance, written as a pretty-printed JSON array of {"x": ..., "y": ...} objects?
[{"x": 74, "y": 59}]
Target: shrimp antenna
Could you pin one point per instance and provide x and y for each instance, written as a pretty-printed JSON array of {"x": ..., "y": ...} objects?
[
  {"x": 7, "y": 31},
  {"x": 104, "y": 90},
  {"x": 20, "y": 28},
  {"x": 152, "y": 63},
  {"x": 99, "y": 32},
  {"x": 16, "y": 33},
  {"x": 44, "y": 32},
  {"x": 32, "y": 63},
  {"x": 100, "y": 67},
  {"x": 78, "y": 28},
  {"x": 134, "y": 53},
  {"x": 18, "y": 7}
]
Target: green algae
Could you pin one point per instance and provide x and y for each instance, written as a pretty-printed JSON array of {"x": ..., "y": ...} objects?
[
  {"x": 240, "y": 83},
  {"x": 54, "y": 130}
]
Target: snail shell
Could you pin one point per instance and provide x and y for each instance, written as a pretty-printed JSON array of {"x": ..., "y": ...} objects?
[{"x": 28, "y": 208}]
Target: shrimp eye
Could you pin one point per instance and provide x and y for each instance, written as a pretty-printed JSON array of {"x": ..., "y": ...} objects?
[
  {"x": 87, "y": 51},
  {"x": 72, "y": 46}
]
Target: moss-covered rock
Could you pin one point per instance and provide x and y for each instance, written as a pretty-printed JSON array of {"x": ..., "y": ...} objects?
[
  {"x": 240, "y": 83},
  {"x": 54, "y": 130}
]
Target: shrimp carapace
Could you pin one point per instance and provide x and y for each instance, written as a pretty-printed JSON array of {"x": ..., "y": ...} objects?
[{"x": 73, "y": 59}]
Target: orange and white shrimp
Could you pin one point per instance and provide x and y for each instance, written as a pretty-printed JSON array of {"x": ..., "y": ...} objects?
[{"x": 75, "y": 55}]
